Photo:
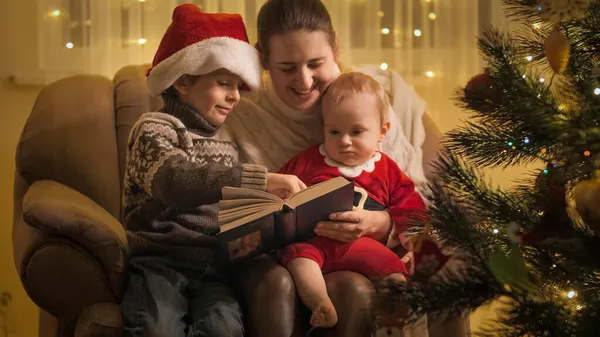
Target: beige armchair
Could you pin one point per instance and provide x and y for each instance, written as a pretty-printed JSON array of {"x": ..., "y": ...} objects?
[{"x": 70, "y": 248}]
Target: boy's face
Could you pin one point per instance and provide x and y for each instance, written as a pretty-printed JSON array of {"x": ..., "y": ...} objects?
[
  {"x": 353, "y": 128},
  {"x": 213, "y": 96}
]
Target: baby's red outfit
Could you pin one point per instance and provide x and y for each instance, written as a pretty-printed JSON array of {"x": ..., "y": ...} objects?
[{"x": 379, "y": 184}]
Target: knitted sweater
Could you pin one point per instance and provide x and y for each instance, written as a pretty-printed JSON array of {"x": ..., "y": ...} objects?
[{"x": 176, "y": 166}]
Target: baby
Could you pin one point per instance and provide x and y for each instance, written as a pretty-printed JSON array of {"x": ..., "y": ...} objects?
[{"x": 355, "y": 119}]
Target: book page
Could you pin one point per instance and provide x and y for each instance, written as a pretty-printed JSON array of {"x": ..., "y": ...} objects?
[
  {"x": 226, "y": 205},
  {"x": 230, "y": 193},
  {"x": 225, "y": 226},
  {"x": 240, "y": 212},
  {"x": 315, "y": 191}
]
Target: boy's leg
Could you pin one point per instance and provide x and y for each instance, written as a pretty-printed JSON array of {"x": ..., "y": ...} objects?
[
  {"x": 304, "y": 261},
  {"x": 215, "y": 310},
  {"x": 153, "y": 304}
]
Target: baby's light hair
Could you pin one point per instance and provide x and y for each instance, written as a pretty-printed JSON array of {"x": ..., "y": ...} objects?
[{"x": 357, "y": 82}]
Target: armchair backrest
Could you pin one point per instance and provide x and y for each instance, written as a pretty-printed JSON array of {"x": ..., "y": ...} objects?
[{"x": 70, "y": 138}]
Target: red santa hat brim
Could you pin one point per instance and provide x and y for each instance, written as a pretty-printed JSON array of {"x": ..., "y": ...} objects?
[{"x": 206, "y": 56}]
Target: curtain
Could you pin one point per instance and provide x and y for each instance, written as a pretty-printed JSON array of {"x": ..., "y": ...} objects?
[{"x": 430, "y": 43}]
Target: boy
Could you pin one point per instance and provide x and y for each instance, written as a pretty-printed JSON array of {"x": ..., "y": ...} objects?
[
  {"x": 355, "y": 120},
  {"x": 178, "y": 161}
]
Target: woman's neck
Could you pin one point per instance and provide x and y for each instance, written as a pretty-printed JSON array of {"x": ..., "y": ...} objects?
[{"x": 285, "y": 110}]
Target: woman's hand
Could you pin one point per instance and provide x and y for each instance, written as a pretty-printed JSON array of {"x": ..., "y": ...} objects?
[
  {"x": 284, "y": 185},
  {"x": 351, "y": 225}
]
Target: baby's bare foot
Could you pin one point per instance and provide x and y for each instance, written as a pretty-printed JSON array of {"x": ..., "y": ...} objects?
[{"x": 324, "y": 315}]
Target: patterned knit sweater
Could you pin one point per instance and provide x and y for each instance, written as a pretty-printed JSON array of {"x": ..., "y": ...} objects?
[{"x": 176, "y": 166}]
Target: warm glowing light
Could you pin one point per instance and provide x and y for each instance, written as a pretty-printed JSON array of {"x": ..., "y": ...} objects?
[
  {"x": 142, "y": 41},
  {"x": 432, "y": 16},
  {"x": 430, "y": 73},
  {"x": 417, "y": 32},
  {"x": 69, "y": 45},
  {"x": 529, "y": 57},
  {"x": 571, "y": 294},
  {"x": 383, "y": 66},
  {"x": 385, "y": 31},
  {"x": 587, "y": 153},
  {"x": 55, "y": 13}
]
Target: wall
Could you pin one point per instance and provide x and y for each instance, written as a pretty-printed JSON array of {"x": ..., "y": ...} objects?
[{"x": 18, "y": 48}]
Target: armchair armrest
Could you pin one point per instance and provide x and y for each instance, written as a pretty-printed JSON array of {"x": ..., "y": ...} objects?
[{"x": 59, "y": 209}]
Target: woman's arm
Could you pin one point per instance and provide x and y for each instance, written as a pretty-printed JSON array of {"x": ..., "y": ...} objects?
[{"x": 351, "y": 225}]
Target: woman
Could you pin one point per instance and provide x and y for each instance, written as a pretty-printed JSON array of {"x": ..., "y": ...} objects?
[{"x": 298, "y": 48}]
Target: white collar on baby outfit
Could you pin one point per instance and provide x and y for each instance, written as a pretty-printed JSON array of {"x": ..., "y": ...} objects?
[{"x": 351, "y": 171}]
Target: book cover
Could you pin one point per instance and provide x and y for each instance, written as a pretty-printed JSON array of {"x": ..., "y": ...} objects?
[{"x": 254, "y": 222}]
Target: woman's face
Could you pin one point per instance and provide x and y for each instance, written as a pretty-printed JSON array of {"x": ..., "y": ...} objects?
[{"x": 301, "y": 65}]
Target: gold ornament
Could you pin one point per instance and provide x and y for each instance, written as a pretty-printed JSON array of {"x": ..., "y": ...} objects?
[
  {"x": 557, "y": 50},
  {"x": 587, "y": 202},
  {"x": 562, "y": 10}
]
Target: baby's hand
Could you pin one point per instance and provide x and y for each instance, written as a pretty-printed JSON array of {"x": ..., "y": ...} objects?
[{"x": 284, "y": 185}]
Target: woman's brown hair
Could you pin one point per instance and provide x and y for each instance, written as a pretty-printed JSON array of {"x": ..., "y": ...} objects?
[{"x": 278, "y": 17}]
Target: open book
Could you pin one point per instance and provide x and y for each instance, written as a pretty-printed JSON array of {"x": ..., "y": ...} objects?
[{"x": 254, "y": 222}]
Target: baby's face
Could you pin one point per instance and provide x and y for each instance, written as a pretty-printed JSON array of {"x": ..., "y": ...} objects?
[{"x": 353, "y": 128}]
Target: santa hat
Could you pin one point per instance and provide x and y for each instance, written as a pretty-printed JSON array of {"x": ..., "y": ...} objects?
[{"x": 197, "y": 43}]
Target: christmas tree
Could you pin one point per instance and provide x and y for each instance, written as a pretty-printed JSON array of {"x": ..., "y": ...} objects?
[{"x": 535, "y": 246}]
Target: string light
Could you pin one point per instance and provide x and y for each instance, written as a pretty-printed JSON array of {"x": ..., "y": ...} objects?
[
  {"x": 597, "y": 91},
  {"x": 432, "y": 16},
  {"x": 495, "y": 231},
  {"x": 536, "y": 26},
  {"x": 526, "y": 140},
  {"x": 385, "y": 31},
  {"x": 55, "y": 13},
  {"x": 142, "y": 41},
  {"x": 524, "y": 76},
  {"x": 417, "y": 32},
  {"x": 587, "y": 153},
  {"x": 430, "y": 74},
  {"x": 571, "y": 294},
  {"x": 510, "y": 143},
  {"x": 380, "y": 14},
  {"x": 529, "y": 57},
  {"x": 542, "y": 80},
  {"x": 543, "y": 150},
  {"x": 383, "y": 66},
  {"x": 69, "y": 45},
  {"x": 545, "y": 171}
]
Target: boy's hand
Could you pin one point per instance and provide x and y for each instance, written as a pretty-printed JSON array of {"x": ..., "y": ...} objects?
[{"x": 284, "y": 185}]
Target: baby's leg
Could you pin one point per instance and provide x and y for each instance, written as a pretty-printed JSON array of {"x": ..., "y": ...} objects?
[
  {"x": 368, "y": 257},
  {"x": 313, "y": 291},
  {"x": 304, "y": 262}
]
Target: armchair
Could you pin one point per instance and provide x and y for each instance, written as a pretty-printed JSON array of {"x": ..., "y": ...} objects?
[{"x": 70, "y": 248}]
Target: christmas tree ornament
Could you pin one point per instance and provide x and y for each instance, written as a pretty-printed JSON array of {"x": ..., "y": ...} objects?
[
  {"x": 555, "y": 223},
  {"x": 482, "y": 91},
  {"x": 557, "y": 50},
  {"x": 429, "y": 258},
  {"x": 510, "y": 271},
  {"x": 556, "y": 11},
  {"x": 587, "y": 202}
]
